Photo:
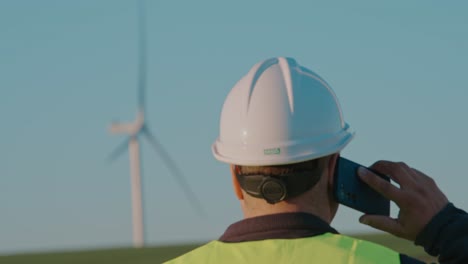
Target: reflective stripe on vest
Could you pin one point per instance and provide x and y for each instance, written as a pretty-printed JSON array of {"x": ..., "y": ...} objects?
[{"x": 326, "y": 248}]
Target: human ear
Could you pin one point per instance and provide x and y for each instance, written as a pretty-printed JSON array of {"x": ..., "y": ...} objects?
[
  {"x": 235, "y": 183},
  {"x": 331, "y": 169}
]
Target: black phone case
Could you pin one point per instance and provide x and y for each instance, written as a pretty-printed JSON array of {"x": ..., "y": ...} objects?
[{"x": 349, "y": 190}]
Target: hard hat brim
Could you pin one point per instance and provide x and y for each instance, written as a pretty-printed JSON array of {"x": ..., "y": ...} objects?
[{"x": 285, "y": 153}]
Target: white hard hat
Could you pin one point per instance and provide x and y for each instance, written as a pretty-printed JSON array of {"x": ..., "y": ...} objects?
[{"x": 280, "y": 113}]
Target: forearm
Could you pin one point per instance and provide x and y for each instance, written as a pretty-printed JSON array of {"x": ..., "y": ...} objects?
[{"x": 446, "y": 236}]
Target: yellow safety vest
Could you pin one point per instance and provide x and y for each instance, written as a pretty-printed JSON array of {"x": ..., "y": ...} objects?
[{"x": 326, "y": 248}]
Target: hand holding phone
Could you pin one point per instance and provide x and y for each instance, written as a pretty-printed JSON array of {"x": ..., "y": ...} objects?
[
  {"x": 351, "y": 191},
  {"x": 418, "y": 197}
]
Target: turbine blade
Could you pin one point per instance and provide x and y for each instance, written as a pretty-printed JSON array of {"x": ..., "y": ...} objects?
[
  {"x": 176, "y": 172},
  {"x": 141, "y": 54},
  {"x": 119, "y": 150}
]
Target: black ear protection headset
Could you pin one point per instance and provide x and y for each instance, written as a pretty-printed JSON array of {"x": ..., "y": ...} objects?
[{"x": 276, "y": 188}]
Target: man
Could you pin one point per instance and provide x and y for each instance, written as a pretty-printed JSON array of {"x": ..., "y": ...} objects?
[{"x": 281, "y": 131}]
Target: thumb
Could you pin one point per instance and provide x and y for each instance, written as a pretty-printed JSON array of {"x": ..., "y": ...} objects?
[{"x": 383, "y": 223}]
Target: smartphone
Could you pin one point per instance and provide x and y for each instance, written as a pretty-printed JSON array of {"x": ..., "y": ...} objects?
[{"x": 349, "y": 190}]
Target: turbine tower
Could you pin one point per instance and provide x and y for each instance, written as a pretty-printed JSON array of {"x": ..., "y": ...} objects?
[{"x": 136, "y": 130}]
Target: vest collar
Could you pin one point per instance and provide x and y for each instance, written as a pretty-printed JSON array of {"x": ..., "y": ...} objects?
[{"x": 276, "y": 226}]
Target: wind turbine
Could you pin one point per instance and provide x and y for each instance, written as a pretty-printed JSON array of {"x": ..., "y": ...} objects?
[{"x": 136, "y": 130}]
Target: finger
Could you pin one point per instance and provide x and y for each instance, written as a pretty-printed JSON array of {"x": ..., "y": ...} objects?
[
  {"x": 383, "y": 223},
  {"x": 380, "y": 185},
  {"x": 397, "y": 171}
]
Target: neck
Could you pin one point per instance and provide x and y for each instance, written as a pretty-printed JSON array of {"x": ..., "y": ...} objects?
[
  {"x": 318, "y": 201},
  {"x": 321, "y": 205}
]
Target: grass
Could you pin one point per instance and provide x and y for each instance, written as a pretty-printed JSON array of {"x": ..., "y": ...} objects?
[
  {"x": 160, "y": 254},
  {"x": 112, "y": 256}
]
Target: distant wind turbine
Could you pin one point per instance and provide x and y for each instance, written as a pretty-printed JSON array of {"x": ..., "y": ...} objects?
[{"x": 135, "y": 130}]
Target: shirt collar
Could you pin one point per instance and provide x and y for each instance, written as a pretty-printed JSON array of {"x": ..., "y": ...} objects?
[{"x": 276, "y": 226}]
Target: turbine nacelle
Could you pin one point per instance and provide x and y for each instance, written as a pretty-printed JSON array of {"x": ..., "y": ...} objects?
[{"x": 131, "y": 129}]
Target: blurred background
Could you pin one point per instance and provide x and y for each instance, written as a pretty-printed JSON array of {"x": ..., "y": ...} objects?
[{"x": 69, "y": 68}]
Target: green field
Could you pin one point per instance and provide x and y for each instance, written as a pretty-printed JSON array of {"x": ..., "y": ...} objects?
[{"x": 156, "y": 255}]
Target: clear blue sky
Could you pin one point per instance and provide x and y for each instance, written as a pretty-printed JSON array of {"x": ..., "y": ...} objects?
[{"x": 68, "y": 68}]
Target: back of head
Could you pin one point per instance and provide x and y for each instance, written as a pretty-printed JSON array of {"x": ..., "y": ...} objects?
[{"x": 277, "y": 123}]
